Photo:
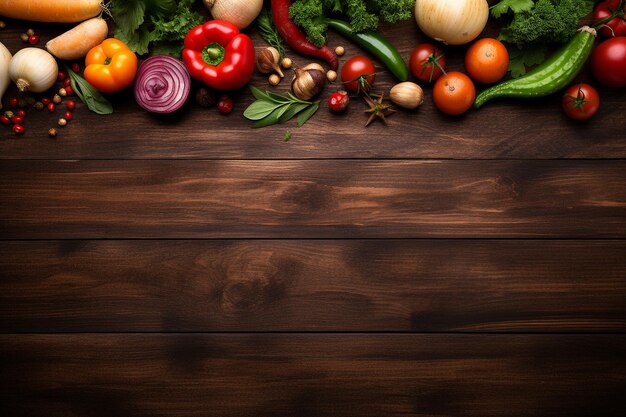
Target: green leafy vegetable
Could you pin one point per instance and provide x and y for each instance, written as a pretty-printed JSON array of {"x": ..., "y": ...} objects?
[
  {"x": 270, "y": 108},
  {"x": 268, "y": 31},
  {"x": 157, "y": 25},
  {"x": 364, "y": 15},
  {"x": 537, "y": 24},
  {"x": 287, "y": 136},
  {"x": 88, "y": 94}
]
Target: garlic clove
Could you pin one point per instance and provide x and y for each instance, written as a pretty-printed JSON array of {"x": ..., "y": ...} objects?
[
  {"x": 268, "y": 61},
  {"x": 407, "y": 94}
]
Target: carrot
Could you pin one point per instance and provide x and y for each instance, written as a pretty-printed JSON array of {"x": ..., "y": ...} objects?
[
  {"x": 61, "y": 11},
  {"x": 76, "y": 42}
]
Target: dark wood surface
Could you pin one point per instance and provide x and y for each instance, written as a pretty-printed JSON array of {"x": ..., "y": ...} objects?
[{"x": 192, "y": 266}]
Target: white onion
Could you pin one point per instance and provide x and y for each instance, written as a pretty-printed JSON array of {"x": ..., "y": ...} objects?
[
  {"x": 5, "y": 79},
  {"x": 33, "y": 69},
  {"x": 453, "y": 22},
  {"x": 238, "y": 12}
]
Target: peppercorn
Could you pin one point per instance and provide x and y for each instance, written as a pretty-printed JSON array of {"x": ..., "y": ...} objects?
[
  {"x": 14, "y": 102},
  {"x": 340, "y": 50},
  {"x": 69, "y": 90},
  {"x": 21, "y": 113},
  {"x": 286, "y": 63},
  {"x": 274, "y": 79},
  {"x": 76, "y": 67},
  {"x": 57, "y": 99},
  {"x": 24, "y": 37},
  {"x": 2, "y": 24},
  {"x": 70, "y": 104},
  {"x": 225, "y": 105},
  {"x": 39, "y": 105},
  {"x": 33, "y": 40},
  {"x": 30, "y": 32},
  {"x": 30, "y": 100},
  {"x": 5, "y": 120},
  {"x": 18, "y": 129},
  {"x": 17, "y": 120},
  {"x": 53, "y": 133},
  {"x": 45, "y": 101},
  {"x": 67, "y": 82},
  {"x": 331, "y": 75},
  {"x": 52, "y": 107},
  {"x": 9, "y": 114},
  {"x": 61, "y": 76},
  {"x": 68, "y": 116},
  {"x": 205, "y": 97},
  {"x": 62, "y": 92},
  {"x": 62, "y": 122}
]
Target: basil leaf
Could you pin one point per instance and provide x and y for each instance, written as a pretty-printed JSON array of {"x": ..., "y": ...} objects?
[
  {"x": 307, "y": 114},
  {"x": 259, "y": 94},
  {"x": 260, "y": 109},
  {"x": 89, "y": 95},
  {"x": 271, "y": 119},
  {"x": 293, "y": 110}
]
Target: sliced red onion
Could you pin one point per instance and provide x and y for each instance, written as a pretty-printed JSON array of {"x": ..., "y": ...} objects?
[{"x": 163, "y": 84}]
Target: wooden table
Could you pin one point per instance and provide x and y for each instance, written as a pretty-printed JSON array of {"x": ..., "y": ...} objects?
[{"x": 191, "y": 266}]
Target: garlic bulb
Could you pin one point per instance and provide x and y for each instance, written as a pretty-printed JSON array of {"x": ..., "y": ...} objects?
[
  {"x": 454, "y": 22},
  {"x": 33, "y": 69},
  {"x": 308, "y": 81},
  {"x": 238, "y": 12},
  {"x": 408, "y": 95},
  {"x": 5, "y": 79}
]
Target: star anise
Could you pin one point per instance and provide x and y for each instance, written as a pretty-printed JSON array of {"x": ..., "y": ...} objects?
[{"x": 377, "y": 109}]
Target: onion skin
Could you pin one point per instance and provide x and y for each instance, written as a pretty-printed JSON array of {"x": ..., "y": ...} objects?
[
  {"x": 453, "y": 22},
  {"x": 163, "y": 84},
  {"x": 238, "y": 12}
]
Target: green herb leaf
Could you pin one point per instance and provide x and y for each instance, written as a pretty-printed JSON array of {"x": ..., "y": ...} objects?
[
  {"x": 260, "y": 109},
  {"x": 516, "y": 6},
  {"x": 268, "y": 31},
  {"x": 292, "y": 111},
  {"x": 308, "y": 113},
  {"x": 88, "y": 94},
  {"x": 287, "y": 136},
  {"x": 520, "y": 59}
]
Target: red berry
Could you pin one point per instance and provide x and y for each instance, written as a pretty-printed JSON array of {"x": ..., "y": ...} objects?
[
  {"x": 69, "y": 90},
  {"x": 75, "y": 67},
  {"x": 225, "y": 105},
  {"x": 45, "y": 101},
  {"x": 13, "y": 102},
  {"x": 68, "y": 116},
  {"x": 21, "y": 113},
  {"x": 18, "y": 129},
  {"x": 61, "y": 76},
  {"x": 52, "y": 107},
  {"x": 70, "y": 104},
  {"x": 16, "y": 120},
  {"x": 67, "y": 82},
  {"x": 33, "y": 40},
  {"x": 339, "y": 101},
  {"x": 5, "y": 120}
]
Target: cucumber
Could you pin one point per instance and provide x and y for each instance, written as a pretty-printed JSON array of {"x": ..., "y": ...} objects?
[{"x": 551, "y": 76}]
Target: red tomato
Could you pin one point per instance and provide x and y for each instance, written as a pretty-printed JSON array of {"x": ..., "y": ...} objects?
[
  {"x": 454, "y": 93},
  {"x": 608, "y": 62},
  {"x": 581, "y": 101},
  {"x": 357, "y": 73},
  {"x": 487, "y": 60},
  {"x": 617, "y": 25},
  {"x": 427, "y": 62}
]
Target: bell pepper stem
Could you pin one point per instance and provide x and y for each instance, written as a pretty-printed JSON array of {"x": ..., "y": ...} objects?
[{"x": 213, "y": 54}]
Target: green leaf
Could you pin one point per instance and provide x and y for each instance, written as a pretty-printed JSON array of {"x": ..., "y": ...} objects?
[
  {"x": 520, "y": 59},
  {"x": 516, "y": 6},
  {"x": 308, "y": 113},
  {"x": 292, "y": 111},
  {"x": 89, "y": 95},
  {"x": 271, "y": 119},
  {"x": 287, "y": 136},
  {"x": 260, "y": 109}
]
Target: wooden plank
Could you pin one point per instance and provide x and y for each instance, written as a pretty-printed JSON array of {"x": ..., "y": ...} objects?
[
  {"x": 397, "y": 285},
  {"x": 312, "y": 199},
  {"x": 317, "y": 375},
  {"x": 503, "y": 130}
]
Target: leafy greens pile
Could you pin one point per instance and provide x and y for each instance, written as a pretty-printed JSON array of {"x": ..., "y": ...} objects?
[
  {"x": 159, "y": 26},
  {"x": 536, "y": 25},
  {"x": 310, "y": 15}
]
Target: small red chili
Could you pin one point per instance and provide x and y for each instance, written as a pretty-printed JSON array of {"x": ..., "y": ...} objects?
[
  {"x": 21, "y": 113},
  {"x": 5, "y": 120},
  {"x": 225, "y": 105},
  {"x": 52, "y": 107},
  {"x": 45, "y": 101},
  {"x": 70, "y": 104},
  {"x": 69, "y": 90},
  {"x": 75, "y": 67},
  {"x": 16, "y": 120},
  {"x": 339, "y": 101},
  {"x": 67, "y": 115},
  {"x": 61, "y": 76},
  {"x": 33, "y": 40},
  {"x": 13, "y": 102},
  {"x": 18, "y": 129}
]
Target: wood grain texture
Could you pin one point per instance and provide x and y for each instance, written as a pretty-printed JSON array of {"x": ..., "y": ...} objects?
[
  {"x": 506, "y": 129},
  {"x": 312, "y": 375},
  {"x": 398, "y": 285},
  {"x": 283, "y": 199}
]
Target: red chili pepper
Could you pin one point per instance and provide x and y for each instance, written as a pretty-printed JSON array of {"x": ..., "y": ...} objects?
[
  {"x": 219, "y": 56},
  {"x": 295, "y": 38}
]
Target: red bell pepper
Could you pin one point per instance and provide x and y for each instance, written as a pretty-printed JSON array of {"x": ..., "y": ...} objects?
[{"x": 219, "y": 56}]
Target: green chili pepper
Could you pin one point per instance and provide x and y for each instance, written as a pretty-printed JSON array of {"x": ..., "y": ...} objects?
[
  {"x": 549, "y": 77},
  {"x": 375, "y": 45}
]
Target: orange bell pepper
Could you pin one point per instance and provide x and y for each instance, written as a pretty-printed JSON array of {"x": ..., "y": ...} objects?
[{"x": 110, "y": 66}]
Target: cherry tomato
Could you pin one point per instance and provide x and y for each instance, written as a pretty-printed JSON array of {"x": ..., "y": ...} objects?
[
  {"x": 427, "y": 62},
  {"x": 225, "y": 105},
  {"x": 339, "y": 101},
  {"x": 581, "y": 101},
  {"x": 617, "y": 25},
  {"x": 608, "y": 62},
  {"x": 454, "y": 93},
  {"x": 357, "y": 74},
  {"x": 487, "y": 60}
]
